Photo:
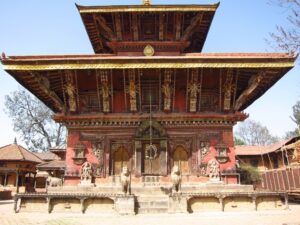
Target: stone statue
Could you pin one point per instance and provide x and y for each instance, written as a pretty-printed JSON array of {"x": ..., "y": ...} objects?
[
  {"x": 86, "y": 173},
  {"x": 53, "y": 181},
  {"x": 125, "y": 180},
  {"x": 213, "y": 170},
  {"x": 176, "y": 178}
]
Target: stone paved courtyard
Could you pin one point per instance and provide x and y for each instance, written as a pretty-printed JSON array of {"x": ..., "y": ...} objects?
[{"x": 288, "y": 217}]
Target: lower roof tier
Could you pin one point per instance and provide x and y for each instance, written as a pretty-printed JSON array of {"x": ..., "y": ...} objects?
[{"x": 190, "y": 83}]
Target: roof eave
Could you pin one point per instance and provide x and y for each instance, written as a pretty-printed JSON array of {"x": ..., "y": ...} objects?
[{"x": 148, "y": 8}]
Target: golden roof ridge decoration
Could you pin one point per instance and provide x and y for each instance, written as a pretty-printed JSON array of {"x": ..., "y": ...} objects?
[{"x": 146, "y": 2}]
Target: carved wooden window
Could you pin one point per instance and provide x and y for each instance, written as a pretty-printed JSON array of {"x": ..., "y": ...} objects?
[
  {"x": 222, "y": 155},
  {"x": 150, "y": 95},
  {"x": 79, "y": 153},
  {"x": 209, "y": 101}
]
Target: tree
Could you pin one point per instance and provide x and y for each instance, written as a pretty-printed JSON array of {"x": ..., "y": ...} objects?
[
  {"x": 32, "y": 120},
  {"x": 296, "y": 119},
  {"x": 288, "y": 38},
  {"x": 254, "y": 133}
]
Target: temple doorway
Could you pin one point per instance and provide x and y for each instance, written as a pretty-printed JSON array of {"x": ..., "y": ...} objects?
[
  {"x": 180, "y": 158},
  {"x": 120, "y": 159},
  {"x": 151, "y": 162}
]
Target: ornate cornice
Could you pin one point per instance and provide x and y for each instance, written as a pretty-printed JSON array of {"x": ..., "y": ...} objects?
[
  {"x": 143, "y": 65},
  {"x": 136, "y": 123}
]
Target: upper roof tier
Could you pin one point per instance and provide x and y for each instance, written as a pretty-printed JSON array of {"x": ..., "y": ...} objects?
[
  {"x": 45, "y": 76},
  {"x": 129, "y": 29}
]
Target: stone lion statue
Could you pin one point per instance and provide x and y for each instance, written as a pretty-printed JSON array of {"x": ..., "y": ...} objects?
[
  {"x": 54, "y": 181},
  {"x": 125, "y": 180},
  {"x": 176, "y": 178}
]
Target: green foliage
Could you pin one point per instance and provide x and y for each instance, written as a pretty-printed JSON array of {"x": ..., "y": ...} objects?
[
  {"x": 238, "y": 141},
  {"x": 32, "y": 120},
  {"x": 249, "y": 175}
]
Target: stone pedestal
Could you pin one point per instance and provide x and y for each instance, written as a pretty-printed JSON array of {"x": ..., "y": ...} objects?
[
  {"x": 124, "y": 205},
  {"x": 177, "y": 204}
]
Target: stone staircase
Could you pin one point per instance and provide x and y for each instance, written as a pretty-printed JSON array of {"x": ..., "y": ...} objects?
[{"x": 152, "y": 204}]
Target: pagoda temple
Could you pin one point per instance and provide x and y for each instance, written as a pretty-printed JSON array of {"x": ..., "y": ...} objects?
[{"x": 149, "y": 99}]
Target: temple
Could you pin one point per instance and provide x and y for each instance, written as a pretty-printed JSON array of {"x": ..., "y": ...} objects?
[{"x": 149, "y": 99}]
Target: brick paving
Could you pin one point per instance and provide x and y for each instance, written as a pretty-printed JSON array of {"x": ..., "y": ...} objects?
[{"x": 287, "y": 217}]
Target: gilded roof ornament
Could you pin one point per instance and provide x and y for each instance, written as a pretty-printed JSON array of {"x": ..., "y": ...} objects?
[
  {"x": 146, "y": 2},
  {"x": 149, "y": 50}
]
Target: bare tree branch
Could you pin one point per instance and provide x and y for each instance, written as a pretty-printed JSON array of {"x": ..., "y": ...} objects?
[{"x": 32, "y": 120}]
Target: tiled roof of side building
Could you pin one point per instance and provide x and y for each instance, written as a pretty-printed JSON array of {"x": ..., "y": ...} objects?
[
  {"x": 47, "y": 156},
  {"x": 249, "y": 150},
  {"x": 15, "y": 152}
]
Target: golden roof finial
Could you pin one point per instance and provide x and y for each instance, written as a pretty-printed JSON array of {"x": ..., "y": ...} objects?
[{"x": 146, "y": 2}]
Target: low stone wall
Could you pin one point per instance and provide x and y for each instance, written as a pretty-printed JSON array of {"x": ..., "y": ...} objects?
[
  {"x": 182, "y": 202},
  {"x": 74, "y": 202}
]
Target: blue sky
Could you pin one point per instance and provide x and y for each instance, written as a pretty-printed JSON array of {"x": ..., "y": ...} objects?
[{"x": 54, "y": 27}]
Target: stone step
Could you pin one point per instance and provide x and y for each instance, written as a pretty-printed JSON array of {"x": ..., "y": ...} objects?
[
  {"x": 152, "y": 210},
  {"x": 152, "y": 204}
]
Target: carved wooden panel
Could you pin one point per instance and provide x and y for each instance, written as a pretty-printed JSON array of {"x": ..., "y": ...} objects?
[
  {"x": 120, "y": 159},
  {"x": 151, "y": 165},
  {"x": 180, "y": 158}
]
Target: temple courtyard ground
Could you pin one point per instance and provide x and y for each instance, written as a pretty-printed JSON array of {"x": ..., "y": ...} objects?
[{"x": 287, "y": 217}]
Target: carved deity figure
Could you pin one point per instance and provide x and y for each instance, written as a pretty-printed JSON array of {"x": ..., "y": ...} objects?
[
  {"x": 132, "y": 94},
  {"x": 99, "y": 153},
  {"x": 228, "y": 89},
  {"x": 204, "y": 148},
  {"x": 213, "y": 170},
  {"x": 176, "y": 178},
  {"x": 194, "y": 89},
  {"x": 166, "y": 90},
  {"x": 71, "y": 93},
  {"x": 86, "y": 173},
  {"x": 125, "y": 180},
  {"x": 105, "y": 93}
]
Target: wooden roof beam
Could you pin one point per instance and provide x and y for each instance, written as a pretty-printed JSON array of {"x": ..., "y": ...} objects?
[
  {"x": 118, "y": 26},
  {"x": 43, "y": 84},
  {"x": 161, "y": 26},
  {"x": 194, "y": 23},
  {"x": 178, "y": 22},
  {"x": 253, "y": 83},
  {"x": 135, "y": 26},
  {"x": 107, "y": 32}
]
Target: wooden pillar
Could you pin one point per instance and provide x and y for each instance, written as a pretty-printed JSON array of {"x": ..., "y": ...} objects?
[
  {"x": 5, "y": 180},
  {"x": 163, "y": 158},
  {"x": 34, "y": 181},
  {"x": 138, "y": 158},
  {"x": 17, "y": 182}
]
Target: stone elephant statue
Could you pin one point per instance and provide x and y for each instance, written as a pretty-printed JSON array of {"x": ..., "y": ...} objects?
[{"x": 53, "y": 181}]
